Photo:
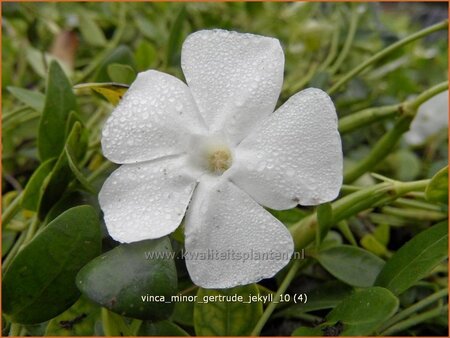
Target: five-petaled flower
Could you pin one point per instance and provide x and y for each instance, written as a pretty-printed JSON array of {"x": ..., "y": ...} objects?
[{"x": 216, "y": 145}]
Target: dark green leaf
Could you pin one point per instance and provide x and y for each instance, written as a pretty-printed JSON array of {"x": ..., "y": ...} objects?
[
  {"x": 31, "y": 98},
  {"x": 122, "y": 55},
  {"x": 121, "y": 290},
  {"x": 363, "y": 312},
  {"x": 325, "y": 296},
  {"x": 414, "y": 260},
  {"x": 176, "y": 38},
  {"x": 59, "y": 102},
  {"x": 78, "y": 320},
  {"x": 223, "y": 318},
  {"x": 34, "y": 188},
  {"x": 437, "y": 189},
  {"x": 40, "y": 282},
  {"x": 351, "y": 264},
  {"x": 121, "y": 73},
  {"x": 163, "y": 328}
]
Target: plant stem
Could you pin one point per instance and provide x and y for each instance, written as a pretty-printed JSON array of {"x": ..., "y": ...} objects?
[
  {"x": 439, "y": 26},
  {"x": 416, "y": 307},
  {"x": 349, "y": 39},
  {"x": 413, "y": 321},
  {"x": 366, "y": 116},
  {"x": 303, "y": 231},
  {"x": 333, "y": 50},
  {"x": 12, "y": 209},
  {"x": 271, "y": 307},
  {"x": 426, "y": 95},
  {"x": 421, "y": 215}
]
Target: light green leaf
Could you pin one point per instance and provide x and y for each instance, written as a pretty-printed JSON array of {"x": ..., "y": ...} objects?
[
  {"x": 121, "y": 73},
  {"x": 59, "y": 102},
  {"x": 362, "y": 313},
  {"x": 40, "y": 282},
  {"x": 437, "y": 189},
  {"x": 78, "y": 320},
  {"x": 122, "y": 290},
  {"x": 31, "y": 98},
  {"x": 414, "y": 260},
  {"x": 351, "y": 264},
  {"x": 90, "y": 31},
  {"x": 226, "y": 318}
]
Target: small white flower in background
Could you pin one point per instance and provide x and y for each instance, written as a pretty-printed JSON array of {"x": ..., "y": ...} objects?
[
  {"x": 431, "y": 118},
  {"x": 216, "y": 145}
]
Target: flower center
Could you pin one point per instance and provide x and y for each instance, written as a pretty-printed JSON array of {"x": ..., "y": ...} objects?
[{"x": 210, "y": 153}]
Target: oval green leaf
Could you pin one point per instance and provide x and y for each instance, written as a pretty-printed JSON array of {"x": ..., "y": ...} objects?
[
  {"x": 121, "y": 73},
  {"x": 437, "y": 189},
  {"x": 215, "y": 318},
  {"x": 40, "y": 283},
  {"x": 59, "y": 102},
  {"x": 34, "y": 188},
  {"x": 128, "y": 290},
  {"x": 415, "y": 259},
  {"x": 31, "y": 98},
  {"x": 350, "y": 264},
  {"x": 363, "y": 312},
  {"x": 78, "y": 320}
]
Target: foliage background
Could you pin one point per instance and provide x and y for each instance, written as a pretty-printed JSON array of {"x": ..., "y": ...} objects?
[{"x": 87, "y": 38}]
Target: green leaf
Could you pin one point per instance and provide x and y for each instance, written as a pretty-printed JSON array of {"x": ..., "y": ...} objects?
[
  {"x": 56, "y": 183},
  {"x": 351, "y": 264},
  {"x": 90, "y": 31},
  {"x": 325, "y": 296},
  {"x": 78, "y": 320},
  {"x": 414, "y": 260},
  {"x": 289, "y": 217},
  {"x": 363, "y": 312},
  {"x": 370, "y": 243},
  {"x": 382, "y": 234},
  {"x": 308, "y": 332},
  {"x": 163, "y": 328},
  {"x": 31, "y": 98},
  {"x": 78, "y": 174},
  {"x": 40, "y": 282},
  {"x": 122, "y": 290},
  {"x": 122, "y": 55},
  {"x": 34, "y": 188},
  {"x": 325, "y": 221},
  {"x": 145, "y": 55},
  {"x": 437, "y": 189},
  {"x": 121, "y": 73},
  {"x": 59, "y": 102},
  {"x": 116, "y": 325},
  {"x": 112, "y": 92},
  {"x": 223, "y": 318},
  {"x": 176, "y": 38}
]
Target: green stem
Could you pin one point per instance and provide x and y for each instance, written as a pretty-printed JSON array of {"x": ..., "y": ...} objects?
[
  {"x": 421, "y": 215},
  {"x": 413, "y": 321},
  {"x": 32, "y": 230},
  {"x": 109, "y": 47},
  {"x": 348, "y": 41},
  {"x": 347, "y": 77},
  {"x": 333, "y": 50},
  {"x": 366, "y": 116},
  {"x": 271, "y": 307},
  {"x": 426, "y": 95},
  {"x": 303, "y": 231},
  {"x": 12, "y": 209},
  {"x": 416, "y": 307},
  {"x": 409, "y": 203}
]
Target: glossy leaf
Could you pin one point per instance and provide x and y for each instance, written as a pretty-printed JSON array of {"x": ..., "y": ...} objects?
[
  {"x": 40, "y": 282},
  {"x": 414, "y": 260},
  {"x": 163, "y": 328},
  {"x": 112, "y": 92},
  {"x": 34, "y": 188},
  {"x": 121, "y": 73},
  {"x": 325, "y": 296},
  {"x": 78, "y": 320},
  {"x": 121, "y": 290},
  {"x": 351, "y": 264},
  {"x": 31, "y": 98},
  {"x": 215, "y": 318},
  {"x": 437, "y": 189},
  {"x": 363, "y": 312},
  {"x": 59, "y": 102}
]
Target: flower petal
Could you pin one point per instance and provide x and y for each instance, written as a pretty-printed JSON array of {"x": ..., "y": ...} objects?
[
  {"x": 146, "y": 200},
  {"x": 235, "y": 78},
  {"x": 151, "y": 121},
  {"x": 225, "y": 232},
  {"x": 293, "y": 157}
]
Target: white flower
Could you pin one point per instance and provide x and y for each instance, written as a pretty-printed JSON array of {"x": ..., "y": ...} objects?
[
  {"x": 216, "y": 146},
  {"x": 431, "y": 118}
]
